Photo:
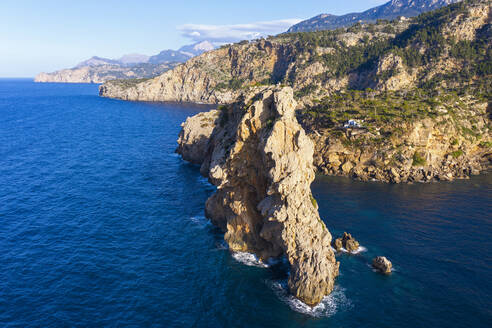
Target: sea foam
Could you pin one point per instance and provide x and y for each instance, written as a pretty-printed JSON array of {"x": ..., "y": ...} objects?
[
  {"x": 361, "y": 249},
  {"x": 330, "y": 304},
  {"x": 250, "y": 259},
  {"x": 200, "y": 221}
]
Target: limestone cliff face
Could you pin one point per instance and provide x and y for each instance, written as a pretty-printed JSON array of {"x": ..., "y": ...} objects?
[
  {"x": 195, "y": 135},
  {"x": 386, "y": 56},
  {"x": 214, "y": 77},
  {"x": 78, "y": 75},
  {"x": 261, "y": 161}
]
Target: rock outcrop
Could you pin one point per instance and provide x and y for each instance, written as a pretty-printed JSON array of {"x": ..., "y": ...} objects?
[
  {"x": 382, "y": 264},
  {"x": 347, "y": 242},
  {"x": 195, "y": 135},
  {"x": 261, "y": 161}
]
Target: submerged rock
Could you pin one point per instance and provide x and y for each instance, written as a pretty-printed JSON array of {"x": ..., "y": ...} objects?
[
  {"x": 261, "y": 161},
  {"x": 346, "y": 241},
  {"x": 382, "y": 264}
]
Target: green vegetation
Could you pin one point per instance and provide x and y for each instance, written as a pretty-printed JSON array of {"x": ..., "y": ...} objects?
[
  {"x": 377, "y": 109},
  {"x": 486, "y": 144},
  {"x": 342, "y": 60},
  {"x": 234, "y": 84},
  {"x": 126, "y": 84},
  {"x": 313, "y": 201},
  {"x": 418, "y": 159},
  {"x": 307, "y": 90},
  {"x": 422, "y": 43},
  {"x": 457, "y": 154}
]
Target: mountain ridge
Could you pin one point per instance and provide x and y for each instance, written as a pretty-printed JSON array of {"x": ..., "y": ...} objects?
[{"x": 388, "y": 11}]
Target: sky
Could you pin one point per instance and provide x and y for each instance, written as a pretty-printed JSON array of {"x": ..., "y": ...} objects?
[{"x": 47, "y": 35}]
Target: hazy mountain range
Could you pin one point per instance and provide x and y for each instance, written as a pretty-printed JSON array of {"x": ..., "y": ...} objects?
[
  {"x": 389, "y": 10},
  {"x": 165, "y": 56},
  {"x": 131, "y": 66}
]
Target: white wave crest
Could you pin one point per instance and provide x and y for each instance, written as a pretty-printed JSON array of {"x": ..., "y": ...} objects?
[
  {"x": 327, "y": 308},
  {"x": 361, "y": 249},
  {"x": 250, "y": 259},
  {"x": 200, "y": 221}
]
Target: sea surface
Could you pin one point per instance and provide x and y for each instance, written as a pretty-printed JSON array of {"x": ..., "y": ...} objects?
[{"x": 102, "y": 225}]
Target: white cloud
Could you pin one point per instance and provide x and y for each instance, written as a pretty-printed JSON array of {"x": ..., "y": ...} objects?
[{"x": 235, "y": 32}]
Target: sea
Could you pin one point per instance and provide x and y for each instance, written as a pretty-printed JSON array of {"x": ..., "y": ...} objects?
[{"x": 102, "y": 225}]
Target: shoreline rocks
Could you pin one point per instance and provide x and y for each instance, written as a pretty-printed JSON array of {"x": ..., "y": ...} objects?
[
  {"x": 261, "y": 161},
  {"x": 347, "y": 242},
  {"x": 428, "y": 150},
  {"x": 382, "y": 264}
]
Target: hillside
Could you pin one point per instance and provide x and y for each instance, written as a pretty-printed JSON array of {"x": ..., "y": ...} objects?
[
  {"x": 388, "y": 11},
  {"x": 418, "y": 89}
]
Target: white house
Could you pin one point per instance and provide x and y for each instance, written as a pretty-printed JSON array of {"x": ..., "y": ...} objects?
[{"x": 352, "y": 124}]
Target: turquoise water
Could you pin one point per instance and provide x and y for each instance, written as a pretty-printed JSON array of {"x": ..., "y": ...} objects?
[{"x": 101, "y": 225}]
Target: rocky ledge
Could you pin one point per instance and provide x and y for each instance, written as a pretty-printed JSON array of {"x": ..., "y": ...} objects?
[{"x": 261, "y": 161}]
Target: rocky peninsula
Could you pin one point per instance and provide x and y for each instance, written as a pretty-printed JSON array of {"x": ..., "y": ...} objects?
[
  {"x": 261, "y": 161},
  {"x": 105, "y": 72},
  {"x": 400, "y": 101}
]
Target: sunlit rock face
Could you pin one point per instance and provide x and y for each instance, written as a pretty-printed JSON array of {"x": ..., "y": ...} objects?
[{"x": 261, "y": 161}]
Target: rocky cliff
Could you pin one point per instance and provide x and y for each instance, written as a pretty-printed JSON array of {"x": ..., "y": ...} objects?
[
  {"x": 261, "y": 161},
  {"x": 449, "y": 141},
  {"x": 420, "y": 90}
]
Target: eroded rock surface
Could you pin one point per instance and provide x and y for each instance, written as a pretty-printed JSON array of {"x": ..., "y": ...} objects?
[
  {"x": 195, "y": 134},
  {"x": 261, "y": 161}
]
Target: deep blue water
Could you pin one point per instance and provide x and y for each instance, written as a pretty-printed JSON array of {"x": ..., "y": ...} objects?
[{"x": 101, "y": 225}]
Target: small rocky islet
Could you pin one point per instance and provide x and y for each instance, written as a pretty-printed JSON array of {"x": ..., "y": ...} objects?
[
  {"x": 346, "y": 242},
  {"x": 382, "y": 264},
  {"x": 407, "y": 112}
]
